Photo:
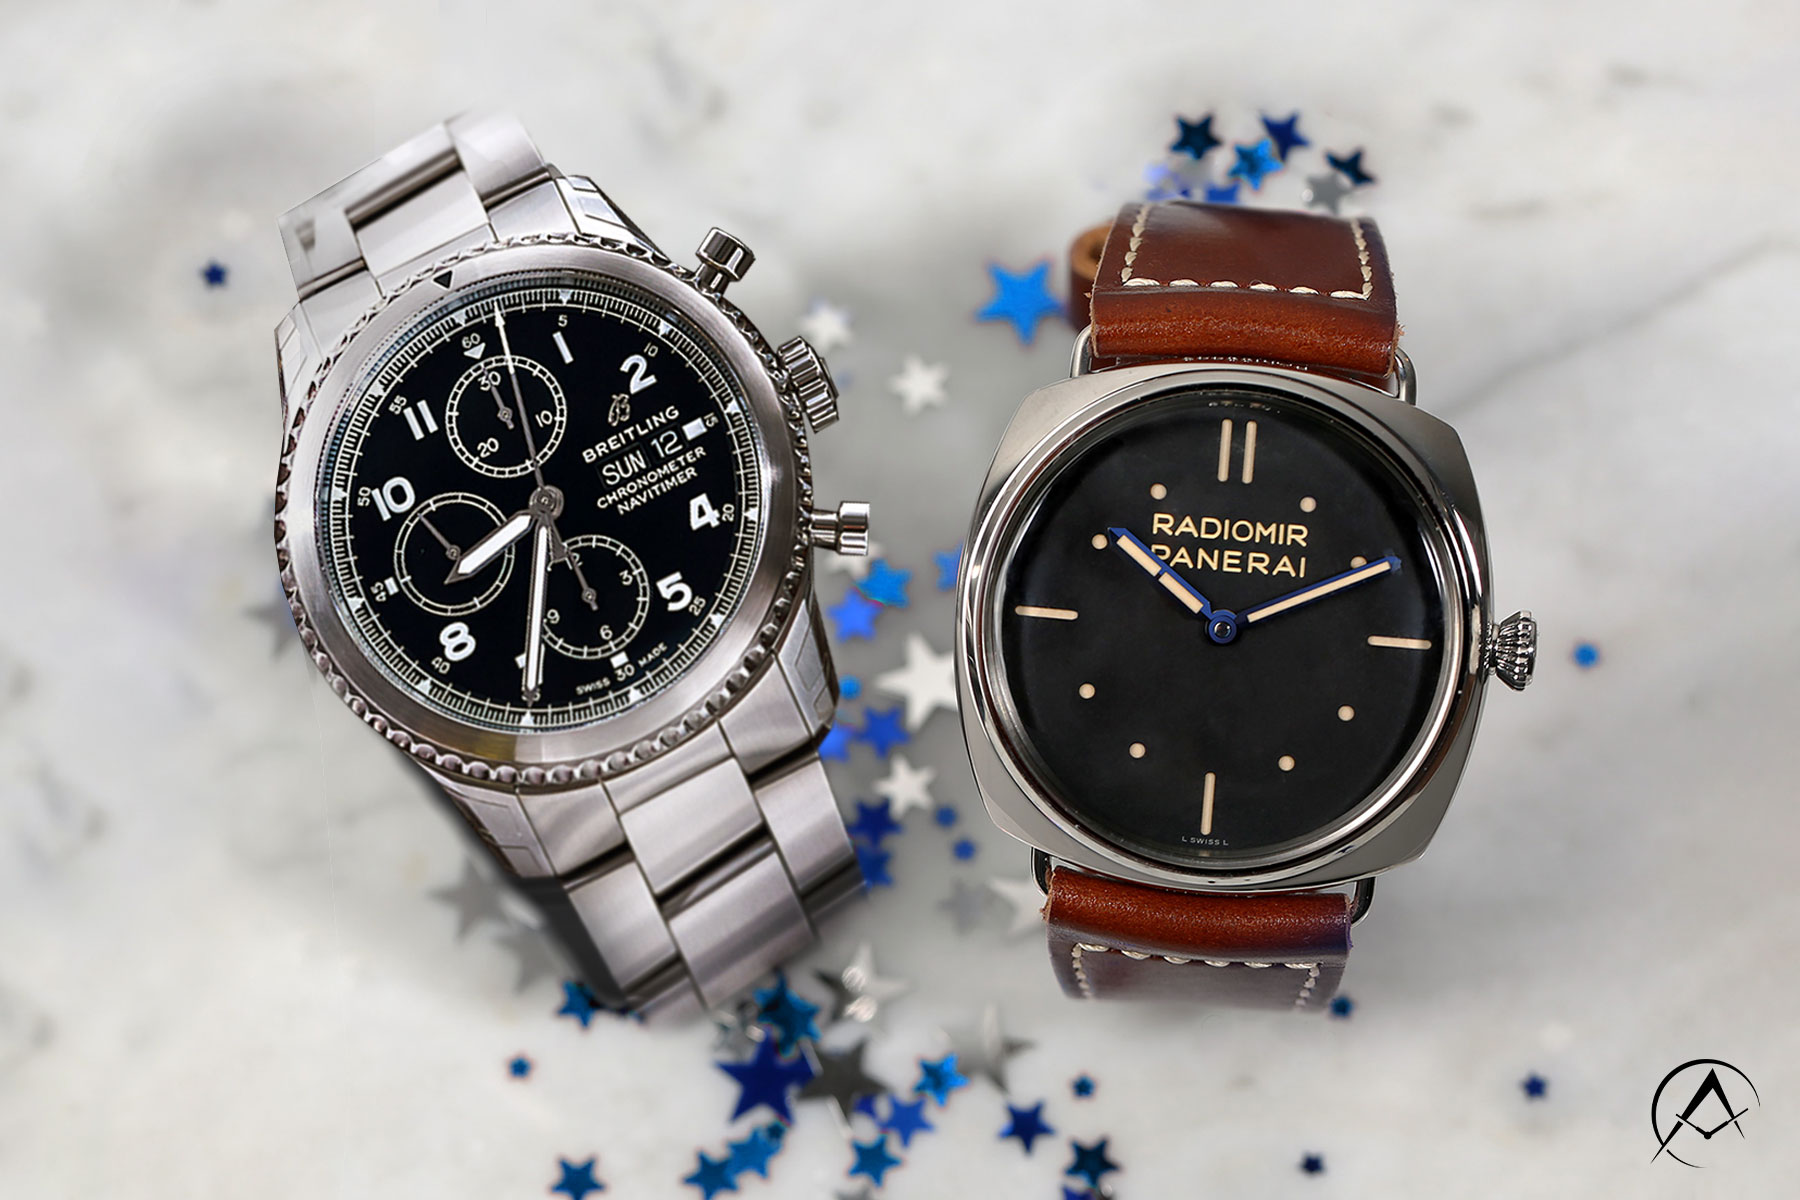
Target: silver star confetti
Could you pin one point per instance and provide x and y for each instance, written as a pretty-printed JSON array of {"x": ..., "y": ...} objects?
[
  {"x": 927, "y": 681},
  {"x": 735, "y": 1031},
  {"x": 906, "y": 787},
  {"x": 1026, "y": 900},
  {"x": 966, "y": 905},
  {"x": 475, "y": 899},
  {"x": 857, "y": 992},
  {"x": 840, "y": 1078},
  {"x": 826, "y": 326},
  {"x": 856, "y": 566},
  {"x": 920, "y": 385},
  {"x": 1325, "y": 191},
  {"x": 983, "y": 1049}
]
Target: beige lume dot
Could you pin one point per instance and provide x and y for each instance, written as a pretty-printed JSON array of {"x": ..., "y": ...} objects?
[
  {"x": 1098, "y": 541},
  {"x": 1158, "y": 491},
  {"x": 1307, "y": 504},
  {"x": 1086, "y": 691},
  {"x": 1285, "y": 762},
  {"x": 1137, "y": 749},
  {"x": 1346, "y": 713}
]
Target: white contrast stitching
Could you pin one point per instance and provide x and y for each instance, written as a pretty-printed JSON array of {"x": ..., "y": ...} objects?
[
  {"x": 1087, "y": 988},
  {"x": 1127, "y": 279}
]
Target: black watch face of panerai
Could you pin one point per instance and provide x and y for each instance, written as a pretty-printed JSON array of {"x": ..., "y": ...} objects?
[
  {"x": 1221, "y": 626},
  {"x": 541, "y": 503}
]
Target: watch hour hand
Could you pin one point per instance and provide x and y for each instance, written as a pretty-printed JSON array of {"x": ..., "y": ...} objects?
[
  {"x": 1388, "y": 565},
  {"x": 490, "y": 547},
  {"x": 1183, "y": 591}
]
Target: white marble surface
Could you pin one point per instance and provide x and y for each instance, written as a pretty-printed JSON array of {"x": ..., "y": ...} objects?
[{"x": 220, "y": 972}]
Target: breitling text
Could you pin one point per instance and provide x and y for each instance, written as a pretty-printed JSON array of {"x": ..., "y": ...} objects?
[{"x": 657, "y": 481}]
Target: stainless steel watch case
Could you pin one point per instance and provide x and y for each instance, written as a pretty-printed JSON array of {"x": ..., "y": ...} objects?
[
  {"x": 1405, "y": 811},
  {"x": 744, "y": 647}
]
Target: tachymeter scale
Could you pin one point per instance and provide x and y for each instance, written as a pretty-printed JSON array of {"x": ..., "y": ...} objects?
[
  {"x": 1159, "y": 737},
  {"x": 661, "y": 496}
]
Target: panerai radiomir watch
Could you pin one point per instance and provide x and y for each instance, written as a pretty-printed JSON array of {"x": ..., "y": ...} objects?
[
  {"x": 1224, "y": 625},
  {"x": 544, "y": 517}
]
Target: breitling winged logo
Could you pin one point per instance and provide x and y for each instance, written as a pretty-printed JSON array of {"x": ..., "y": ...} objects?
[{"x": 619, "y": 412}]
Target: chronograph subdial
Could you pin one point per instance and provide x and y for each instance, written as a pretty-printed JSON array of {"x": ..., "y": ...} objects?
[
  {"x": 500, "y": 432},
  {"x": 621, "y": 599},
  {"x": 431, "y": 540}
]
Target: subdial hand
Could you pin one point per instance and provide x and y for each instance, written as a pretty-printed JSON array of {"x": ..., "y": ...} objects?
[
  {"x": 1325, "y": 587},
  {"x": 537, "y": 471},
  {"x": 500, "y": 409},
  {"x": 451, "y": 550},
  {"x": 589, "y": 596},
  {"x": 533, "y": 680}
]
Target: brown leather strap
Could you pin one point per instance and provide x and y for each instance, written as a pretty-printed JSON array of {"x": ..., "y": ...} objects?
[
  {"x": 1113, "y": 939},
  {"x": 1084, "y": 265},
  {"x": 1180, "y": 280}
]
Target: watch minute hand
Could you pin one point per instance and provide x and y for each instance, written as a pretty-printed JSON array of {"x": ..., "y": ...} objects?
[
  {"x": 1176, "y": 586},
  {"x": 1325, "y": 587},
  {"x": 490, "y": 547}
]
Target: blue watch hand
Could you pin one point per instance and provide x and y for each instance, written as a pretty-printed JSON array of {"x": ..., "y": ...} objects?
[
  {"x": 1177, "y": 587},
  {"x": 1318, "y": 591}
]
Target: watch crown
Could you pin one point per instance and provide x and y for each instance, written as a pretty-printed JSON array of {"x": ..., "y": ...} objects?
[
  {"x": 845, "y": 529},
  {"x": 723, "y": 260},
  {"x": 810, "y": 382},
  {"x": 1512, "y": 650}
]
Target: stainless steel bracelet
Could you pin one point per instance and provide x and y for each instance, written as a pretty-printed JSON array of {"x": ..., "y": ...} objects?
[{"x": 677, "y": 884}]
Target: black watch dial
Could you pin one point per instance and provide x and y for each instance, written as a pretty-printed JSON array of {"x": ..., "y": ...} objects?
[
  {"x": 1221, "y": 627},
  {"x": 543, "y": 503}
]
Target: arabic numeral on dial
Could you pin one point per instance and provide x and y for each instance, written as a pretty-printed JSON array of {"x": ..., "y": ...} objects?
[
  {"x": 487, "y": 446},
  {"x": 394, "y": 496},
  {"x": 638, "y": 366},
  {"x": 673, "y": 589},
  {"x": 667, "y": 442},
  {"x": 702, "y": 514},
  {"x": 419, "y": 419},
  {"x": 457, "y": 641}
]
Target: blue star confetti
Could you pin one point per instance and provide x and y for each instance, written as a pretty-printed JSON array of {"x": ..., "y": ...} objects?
[
  {"x": 874, "y": 823},
  {"x": 944, "y": 815},
  {"x": 885, "y": 585},
  {"x": 835, "y": 746},
  {"x": 1313, "y": 1164},
  {"x": 1224, "y": 193},
  {"x": 788, "y": 1013},
  {"x": 1090, "y": 1162},
  {"x": 853, "y": 617},
  {"x": 1070, "y": 1193},
  {"x": 874, "y": 864},
  {"x": 904, "y": 1119},
  {"x": 948, "y": 562},
  {"x": 849, "y": 687},
  {"x": 1165, "y": 184},
  {"x": 578, "y": 1002},
  {"x": 766, "y": 1080},
  {"x": 938, "y": 1079},
  {"x": 1255, "y": 161},
  {"x": 1535, "y": 1086},
  {"x": 1195, "y": 138},
  {"x": 712, "y": 1176},
  {"x": 873, "y": 1159},
  {"x": 519, "y": 1067},
  {"x": 1285, "y": 134},
  {"x": 1023, "y": 299},
  {"x": 1587, "y": 655},
  {"x": 964, "y": 849},
  {"x": 754, "y": 1152},
  {"x": 883, "y": 730},
  {"x": 214, "y": 273},
  {"x": 1027, "y": 1125},
  {"x": 1342, "y": 1006},
  {"x": 1350, "y": 166},
  {"x": 865, "y": 1104},
  {"x": 577, "y": 1179},
  {"x": 1083, "y": 1087}
]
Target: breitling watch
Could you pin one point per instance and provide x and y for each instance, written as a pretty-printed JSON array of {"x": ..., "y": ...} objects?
[
  {"x": 544, "y": 518},
  {"x": 1224, "y": 627}
]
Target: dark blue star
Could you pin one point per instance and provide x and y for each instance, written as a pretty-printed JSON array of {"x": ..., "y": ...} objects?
[
  {"x": 849, "y": 687},
  {"x": 1022, "y": 299},
  {"x": 712, "y": 1176},
  {"x": 854, "y": 617},
  {"x": 766, "y": 1079},
  {"x": 1313, "y": 1164},
  {"x": 754, "y": 1152},
  {"x": 787, "y": 1013},
  {"x": 1284, "y": 134},
  {"x": 578, "y": 1002},
  {"x": 1091, "y": 1162},
  {"x": 885, "y": 585},
  {"x": 214, "y": 273},
  {"x": 938, "y": 1079},
  {"x": 1070, "y": 1193},
  {"x": 1535, "y": 1086},
  {"x": 906, "y": 1119},
  {"x": 1027, "y": 1124},
  {"x": 1084, "y": 1087},
  {"x": 944, "y": 815},
  {"x": 873, "y": 823},
  {"x": 883, "y": 729},
  {"x": 1351, "y": 166},
  {"x": 1586, "y": 655},
  {"x": 873, "y": 1159},
  {"x": 836, "y": 743},
  {"x": 1342, "y": 1006},
  {"x": 865, "y": 1104},
  {"x": 874, "y": 864},
  {"x": 1255, "y": 160},
  {"x": 519, "y": 1067},
  {"x": 948, "y": 562},
  {"x": 577, "y": 1179},
  {"x": 1196, "y": 137},
  {"x": 964, "y": 849},
  {"x": 1224, "y": 193}
]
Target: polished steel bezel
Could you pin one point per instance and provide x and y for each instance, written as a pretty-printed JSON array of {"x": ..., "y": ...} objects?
[
  {"x": 739, "y": 652},
  {"x": 1392, "y": 827}
]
